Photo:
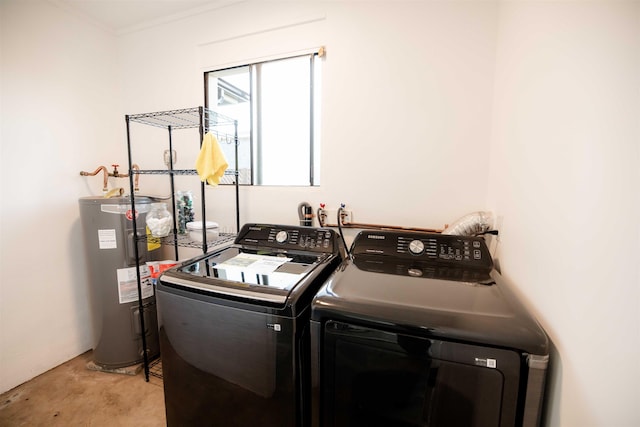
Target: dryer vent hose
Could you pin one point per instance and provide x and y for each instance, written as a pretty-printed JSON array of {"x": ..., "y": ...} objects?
[{"x": 471, "y": 225}]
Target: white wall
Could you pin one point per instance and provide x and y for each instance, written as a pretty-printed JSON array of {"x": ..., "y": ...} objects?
[
  {"x": 564, "y": 176},
  {"x": 59, "y": 116},
  {"x": 530, "y": 109},
  {"x": 406, "y": 99}
]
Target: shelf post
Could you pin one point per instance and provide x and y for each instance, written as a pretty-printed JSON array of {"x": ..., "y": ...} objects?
[
  {"x": 145, "y": 356},
  {"x": 203, "y": 128},
  {"x": 173, "y": 195}
]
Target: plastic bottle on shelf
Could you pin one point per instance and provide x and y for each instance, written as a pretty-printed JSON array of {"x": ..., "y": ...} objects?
[{"x": 159, "y": 220}]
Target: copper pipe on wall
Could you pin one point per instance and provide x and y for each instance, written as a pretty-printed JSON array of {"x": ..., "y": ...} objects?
[
  {"x": 95, "y": 172},
  {"x": 322, "y": 221},
  {"x": 136, "y": 178},
  {"x": 115, "y": 174},
  {"x": 384, "y": 227},
  {"x": 392, "y": 227},
  {"x": 322, "y": 217}
]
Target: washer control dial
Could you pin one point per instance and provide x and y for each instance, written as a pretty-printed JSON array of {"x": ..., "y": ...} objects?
[
  {"x": 282, "y": 236},
  {"x": 416, "y": 247}
]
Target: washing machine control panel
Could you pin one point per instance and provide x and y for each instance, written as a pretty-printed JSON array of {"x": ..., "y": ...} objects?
[
  {"x": 286, "y": 237},
  {"x": 428, "y": 247}
]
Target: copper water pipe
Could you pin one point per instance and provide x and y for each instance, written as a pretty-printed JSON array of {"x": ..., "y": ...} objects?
[
  {"x": 384, "y": 227},
  {"x": 322, "y": 221},
  {"x": 136, "y": 187},
  {"x": 136, "y": 177},
  {"x": 389, "y": 227},
  {"x": 95, "y": 172},
  {"x": 115, "y": 174}
]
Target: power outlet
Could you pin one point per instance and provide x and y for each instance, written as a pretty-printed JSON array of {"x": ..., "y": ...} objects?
[
  {"x": 332, "y": 217},
  {"x": 346, "y": 217}
]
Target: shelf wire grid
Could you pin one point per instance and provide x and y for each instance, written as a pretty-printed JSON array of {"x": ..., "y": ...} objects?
[
  {"x": 155, "y": 368},
  {"x": 183, "y": 119},
  {"x": 183, "y": 240},
  {"x": 176, "y": 172}
]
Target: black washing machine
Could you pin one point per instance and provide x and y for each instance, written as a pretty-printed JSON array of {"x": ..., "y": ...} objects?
[
  {"x": 234, "y": 328},
  {"x": 418, "y": 329}
]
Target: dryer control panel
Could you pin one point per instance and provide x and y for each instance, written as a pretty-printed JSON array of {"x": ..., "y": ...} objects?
[{"x": 463, "y": 251}]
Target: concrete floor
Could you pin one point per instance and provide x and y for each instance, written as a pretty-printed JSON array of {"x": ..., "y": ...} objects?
[{"x": 72, "y": 395}]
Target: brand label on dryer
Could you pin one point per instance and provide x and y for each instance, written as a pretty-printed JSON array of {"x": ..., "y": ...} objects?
[
  {"x": 376, "y": 237},
  {"x": 374, "y": 251},
  {"x": 489, "y": 363},
  {"x": 275, "y": 326}
]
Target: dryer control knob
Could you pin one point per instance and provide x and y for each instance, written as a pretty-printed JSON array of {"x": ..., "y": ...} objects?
[
  {"x": 282, "y": 236},
  {"x": 416, "y": 247}
]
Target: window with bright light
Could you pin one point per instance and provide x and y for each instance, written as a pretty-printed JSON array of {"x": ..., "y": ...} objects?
[{"x": 276, "y": 104}]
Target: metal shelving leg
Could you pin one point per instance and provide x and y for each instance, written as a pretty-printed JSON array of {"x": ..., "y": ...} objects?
[{"x": 145, "y": 356}]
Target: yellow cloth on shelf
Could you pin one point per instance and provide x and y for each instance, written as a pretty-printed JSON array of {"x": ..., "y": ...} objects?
[{"x": 211, "y": 162}]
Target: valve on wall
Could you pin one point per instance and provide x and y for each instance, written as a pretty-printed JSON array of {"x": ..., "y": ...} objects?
[{"x": 322, "y": 215}]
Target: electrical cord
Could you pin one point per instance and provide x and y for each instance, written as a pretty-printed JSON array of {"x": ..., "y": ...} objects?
[
  {"x": 320, "y": 216},
  {"x": 344, "y": 242}
]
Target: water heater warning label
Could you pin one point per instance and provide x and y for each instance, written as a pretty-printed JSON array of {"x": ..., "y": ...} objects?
[
  {"x": 128, "y": 284},
  {"x": 107, "y": 239}
]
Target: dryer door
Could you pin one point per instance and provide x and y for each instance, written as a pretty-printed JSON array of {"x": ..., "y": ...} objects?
[{"x": 376, "y": 378}]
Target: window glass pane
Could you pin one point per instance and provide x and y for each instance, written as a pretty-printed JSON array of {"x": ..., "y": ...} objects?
[
  {"x": 230, "y": 95},
  {"x": 317, "y": 91},
  {"x": 285, "y": 131}
]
